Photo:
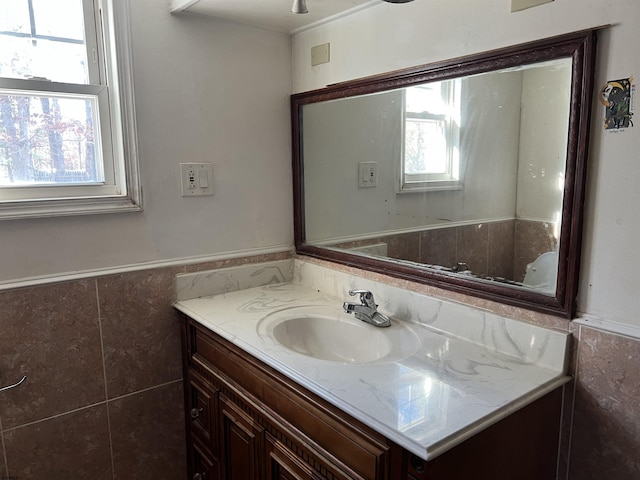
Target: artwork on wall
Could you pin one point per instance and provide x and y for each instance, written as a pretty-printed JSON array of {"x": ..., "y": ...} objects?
[{"x": 617, "y": 97}]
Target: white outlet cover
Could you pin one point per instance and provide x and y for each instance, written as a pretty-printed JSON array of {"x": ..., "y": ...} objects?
[
  {"x": 367, "y": 174},
  {"x": 196, "y": 179}
]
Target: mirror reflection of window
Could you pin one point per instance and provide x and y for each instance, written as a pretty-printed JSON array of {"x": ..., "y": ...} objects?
[
  {"x": 430, "y": 159},
  {"x": 420, "y": 401}
]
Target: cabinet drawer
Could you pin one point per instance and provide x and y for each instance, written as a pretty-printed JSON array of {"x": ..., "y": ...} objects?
[{"x": 202, "y": 405}]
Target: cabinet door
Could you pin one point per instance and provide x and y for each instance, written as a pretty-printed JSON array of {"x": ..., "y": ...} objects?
[
  {"x": 282, "y": 464},
  {"x": 242, "y": 443}
]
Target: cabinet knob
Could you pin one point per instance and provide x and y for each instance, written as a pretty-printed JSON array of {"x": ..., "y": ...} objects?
[
  {"x": 198, "y": 476},
  {"x": 195, "y": 413},
  {"x": 417, "y": 464}
]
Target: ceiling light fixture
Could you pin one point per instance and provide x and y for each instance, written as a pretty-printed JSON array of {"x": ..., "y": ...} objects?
[{"x": 299, "y": 6}]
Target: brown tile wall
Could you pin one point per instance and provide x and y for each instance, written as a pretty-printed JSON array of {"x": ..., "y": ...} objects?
[
  {"x": 497, "y": 249},
  {"x": 103, "y": 396},
  {"x": 487, "y": 248},
  {"x": 532, "y": 239},
  {"x": 501, "y": 250},
  {"x": 601, "y": 437}
]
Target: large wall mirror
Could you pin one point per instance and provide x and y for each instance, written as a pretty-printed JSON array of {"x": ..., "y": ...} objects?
[{"x": 467, "y": 174}]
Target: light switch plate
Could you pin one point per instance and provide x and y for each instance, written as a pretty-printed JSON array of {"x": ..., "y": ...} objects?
[
  {"x": 196, "y": 179},
  {"x": 517, "y": 5},
  {"x": 367, "y": 174},
  {"x": 320, "y": 54}
]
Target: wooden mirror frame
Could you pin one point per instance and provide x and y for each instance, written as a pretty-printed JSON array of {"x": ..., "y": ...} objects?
[{"x": 580, "y": 46}]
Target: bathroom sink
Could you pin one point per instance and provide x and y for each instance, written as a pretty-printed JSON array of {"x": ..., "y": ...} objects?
[
  {"x": 330, "y": 339},
  {"x": 327, "y": 333}
]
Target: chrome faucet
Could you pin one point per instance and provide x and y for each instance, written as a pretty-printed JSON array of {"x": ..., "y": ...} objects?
[{"x": 367, "y": 310}]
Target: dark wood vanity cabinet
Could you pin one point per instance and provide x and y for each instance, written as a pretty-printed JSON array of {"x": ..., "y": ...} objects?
[
  {"x": 246, "y": 421},
  {"x": 201, "y": 402}
]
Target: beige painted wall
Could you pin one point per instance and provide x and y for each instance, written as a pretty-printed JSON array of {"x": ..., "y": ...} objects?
[
  {"x": 543, "y": 143},
  {"x": 206, "y": 91}
]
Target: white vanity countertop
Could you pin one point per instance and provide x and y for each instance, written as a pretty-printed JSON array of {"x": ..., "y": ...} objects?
[{"x": 445, "y": 392}]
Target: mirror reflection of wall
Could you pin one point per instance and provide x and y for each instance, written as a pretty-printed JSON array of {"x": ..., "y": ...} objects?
[{"x": 499, "y": 214}]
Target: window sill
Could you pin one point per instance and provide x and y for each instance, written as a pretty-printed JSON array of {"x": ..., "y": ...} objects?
[
  {"x": 421, "y": 187},
  {"x": 67, "y": 207}
]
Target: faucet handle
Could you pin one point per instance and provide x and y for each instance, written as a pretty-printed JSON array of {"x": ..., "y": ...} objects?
[
  {"x": 366, "y": 297},
  {"x": 356, "y": 292}
]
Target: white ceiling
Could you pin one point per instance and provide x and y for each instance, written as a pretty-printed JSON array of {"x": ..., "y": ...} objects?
[{"x": 269, "y": 14}]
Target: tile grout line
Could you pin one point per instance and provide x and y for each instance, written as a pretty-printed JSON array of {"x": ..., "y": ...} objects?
[
  {"x": 53, "y": 417},
  {"x": 145, "y": 390},
  {"x": 92, "y": 405},
  {"x": 104, "y": 374}
]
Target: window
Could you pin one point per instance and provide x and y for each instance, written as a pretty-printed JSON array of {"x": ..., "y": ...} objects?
[
  {"x": 67, "y": 129},
  {"x": 430, "y": 159}
]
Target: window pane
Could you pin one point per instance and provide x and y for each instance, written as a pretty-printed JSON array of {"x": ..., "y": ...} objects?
[
  {"x": 425, "y": 147},
  {"x": 55, "y": 61},
  {"x": 14, "y": 16},
  {"x": 426, "y": 98},
  {"x": 50, "y": 44},
  {"x": 60, "y": 18},
  {"x": 48, "y": 139}
]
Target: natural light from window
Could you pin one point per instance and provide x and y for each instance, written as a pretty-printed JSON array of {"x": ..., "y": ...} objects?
[
  {"x": 431, "y": 137},
  {"x": 62, "y": 124},
  {"x": 46, "y": 139}
]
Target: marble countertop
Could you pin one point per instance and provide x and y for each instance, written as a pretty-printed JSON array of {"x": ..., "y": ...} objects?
[{"x": 442, "y": 393}]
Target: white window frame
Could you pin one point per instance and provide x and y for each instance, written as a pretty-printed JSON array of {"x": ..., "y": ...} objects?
[
  {"x": 451, "y": 179},
  {"x": 108, "y": 39}
]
